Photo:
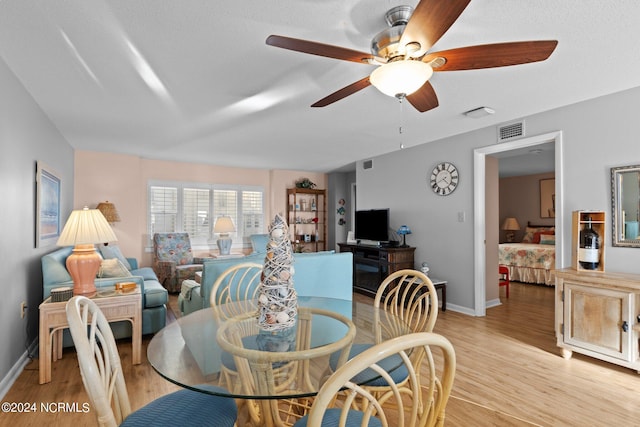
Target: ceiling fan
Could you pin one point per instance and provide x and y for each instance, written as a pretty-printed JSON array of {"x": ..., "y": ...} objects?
[{"x": 402, "y": 53}]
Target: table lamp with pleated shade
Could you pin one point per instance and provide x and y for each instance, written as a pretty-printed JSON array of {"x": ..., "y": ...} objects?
[
  {"x": 511, "y": 225},
  {"x": 224, "y": 226},
  {"x": 84, "y": 228}
]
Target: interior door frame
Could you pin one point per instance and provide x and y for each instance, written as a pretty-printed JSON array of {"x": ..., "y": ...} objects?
[{"x": 479, "y": 220}]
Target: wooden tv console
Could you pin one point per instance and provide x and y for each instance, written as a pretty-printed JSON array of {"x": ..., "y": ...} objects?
[{"x": 372, "y": 264}]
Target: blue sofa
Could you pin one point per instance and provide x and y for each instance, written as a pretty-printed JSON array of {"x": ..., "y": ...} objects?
[
  {"x": 154, "y": 296},
  {"x": 320, "y": 274}
]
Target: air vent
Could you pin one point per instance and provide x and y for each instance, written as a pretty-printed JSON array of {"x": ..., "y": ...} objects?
[
  {"x": 510, "y": 131},
  {"x": 367, "y": 164}
]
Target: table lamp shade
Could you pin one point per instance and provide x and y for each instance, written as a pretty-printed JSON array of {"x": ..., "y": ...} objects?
[
  {"x": 83, "y": 229},
  {"x": 109, "y": 211},
  {"x": 510, "y": 225},
  {"x": 403, "y": 231},
  {"x": 224, "y": 226}
]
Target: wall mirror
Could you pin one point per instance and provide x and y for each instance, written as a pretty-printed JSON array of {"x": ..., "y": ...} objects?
[{"x": 625, "y": 204}]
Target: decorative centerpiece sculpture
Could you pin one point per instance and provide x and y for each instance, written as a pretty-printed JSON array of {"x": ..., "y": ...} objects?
[{"x": 277, "y": 300}]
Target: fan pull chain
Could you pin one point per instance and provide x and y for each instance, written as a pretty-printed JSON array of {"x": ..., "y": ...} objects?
[{"x": 400, "y": 98}]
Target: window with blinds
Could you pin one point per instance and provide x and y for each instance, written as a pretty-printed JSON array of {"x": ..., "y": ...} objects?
[
  {"x": 252, "y": 213},
  {"x": 163, "y": 209},
  {"x": 195, "y": 212},
  {"x": 194, "y": 208}
]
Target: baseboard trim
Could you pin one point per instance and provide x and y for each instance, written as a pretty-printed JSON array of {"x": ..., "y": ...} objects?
[
  {"x": 493, "y": 303},
  {"x": 15, "y": 371},
  {"x": 460, "y": 309}
]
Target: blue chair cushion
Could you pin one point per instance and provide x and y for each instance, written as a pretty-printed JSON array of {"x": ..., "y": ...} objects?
[
  {"x": 186, "y": 407},
  {"x": 392, "y": 364},
  {"x": 331, "y": 418}
]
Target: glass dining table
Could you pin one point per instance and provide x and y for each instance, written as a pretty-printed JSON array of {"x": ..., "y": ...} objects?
[{"x": 222, "y": 351}]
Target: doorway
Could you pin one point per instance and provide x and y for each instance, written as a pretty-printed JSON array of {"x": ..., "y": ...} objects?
[{"x": 481, "y": 238}]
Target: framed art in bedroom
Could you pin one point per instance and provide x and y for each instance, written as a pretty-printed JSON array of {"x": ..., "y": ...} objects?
[
  {"x": 548, "y": 198},
  {"x": 47, "y": 206}
]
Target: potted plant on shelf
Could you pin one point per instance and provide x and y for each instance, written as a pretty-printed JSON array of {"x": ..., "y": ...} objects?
[{"x": 305, "y": 183}]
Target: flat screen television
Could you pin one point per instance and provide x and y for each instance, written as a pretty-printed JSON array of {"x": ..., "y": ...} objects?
[{"x": 372, "y": 225}]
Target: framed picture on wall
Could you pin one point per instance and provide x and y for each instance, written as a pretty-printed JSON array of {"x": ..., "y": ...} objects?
[
  {"x": 47, "y": 206},
  {"x": 548, "y": 198}
]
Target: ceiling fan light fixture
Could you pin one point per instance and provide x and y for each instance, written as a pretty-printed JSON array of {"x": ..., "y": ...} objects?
[
  {"x": 386, "y": 44},
  {"x": 401, "y": 78}
]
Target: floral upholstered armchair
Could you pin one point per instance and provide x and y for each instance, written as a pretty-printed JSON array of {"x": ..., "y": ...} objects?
[{"x": 173, "y": 260}]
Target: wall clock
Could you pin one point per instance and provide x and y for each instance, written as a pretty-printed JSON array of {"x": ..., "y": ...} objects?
[{"x": 444, "y": 178}]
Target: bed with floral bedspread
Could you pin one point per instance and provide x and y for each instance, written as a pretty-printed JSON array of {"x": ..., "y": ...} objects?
[
  {"x": 534, "y": 259},
  {"x": 529, "y": 262}
]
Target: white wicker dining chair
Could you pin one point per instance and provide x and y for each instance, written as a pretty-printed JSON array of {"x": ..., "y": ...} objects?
[
  {"x": 407, "y": 302},
  {"x": 238, "y": 283},
  {"x": 103, "y": 379},
  {"x": 354, "y": 405},
  {"x": 282, "y": 370}
]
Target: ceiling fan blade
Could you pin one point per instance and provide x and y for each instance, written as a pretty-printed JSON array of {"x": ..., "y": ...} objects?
[
  {"x": 424, "y": 99},
  {"x": 493, "y": 55},
  {"x": 319, "y": 49},
  {"x": 429, "y": 21},
  {"x": 343, "y": 93}
]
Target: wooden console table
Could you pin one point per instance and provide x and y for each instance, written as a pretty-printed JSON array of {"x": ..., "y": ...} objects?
[
  {"x": 598, "y": 314},
  {"x": 115, "y": 306},
  {"x": 372, "y": 264}
]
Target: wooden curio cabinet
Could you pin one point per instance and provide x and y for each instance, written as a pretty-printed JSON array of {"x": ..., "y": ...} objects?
[{"x": 307, "y": 218}]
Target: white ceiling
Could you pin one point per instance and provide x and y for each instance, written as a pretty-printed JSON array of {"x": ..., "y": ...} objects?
[
  {"x": 526, "y": 161},
  {"x": 216, "y": 93}
]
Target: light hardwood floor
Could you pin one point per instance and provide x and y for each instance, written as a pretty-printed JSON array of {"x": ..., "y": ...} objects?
[{"x": 509, "y": 373}]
